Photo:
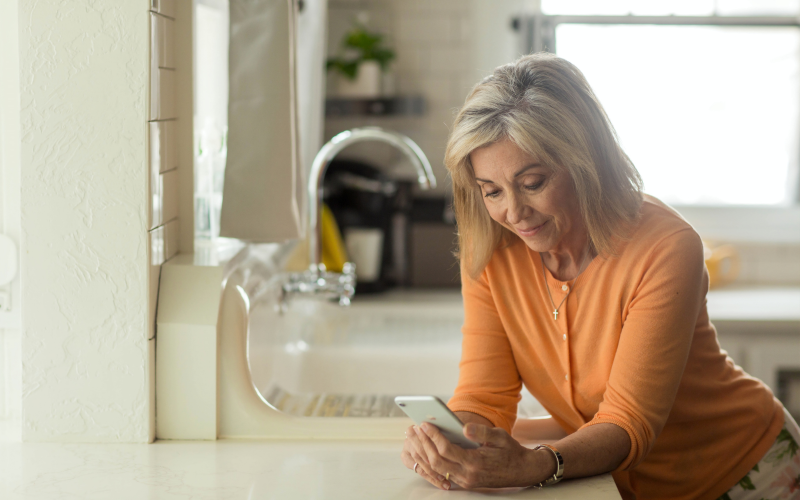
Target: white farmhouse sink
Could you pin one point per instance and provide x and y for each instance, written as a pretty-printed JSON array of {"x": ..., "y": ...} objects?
[{"x": 324, "y": 360}]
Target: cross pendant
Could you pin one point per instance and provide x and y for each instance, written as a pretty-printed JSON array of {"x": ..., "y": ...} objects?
[{"x": 555, "y": 314}]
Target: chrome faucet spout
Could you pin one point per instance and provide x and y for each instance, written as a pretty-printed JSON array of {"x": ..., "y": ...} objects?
[
  {"x": 317, "y": 281},
  {"x": 328, "y": 152}
]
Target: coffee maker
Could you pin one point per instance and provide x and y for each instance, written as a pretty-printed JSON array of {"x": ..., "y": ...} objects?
[{"x": 371, "y": 211}]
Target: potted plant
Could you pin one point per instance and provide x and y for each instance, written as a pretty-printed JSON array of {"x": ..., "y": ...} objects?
[{"x": 363, "y": 59}]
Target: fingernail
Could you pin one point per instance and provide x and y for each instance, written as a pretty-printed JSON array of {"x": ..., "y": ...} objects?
[
  {"x": 446, "y": 485},
  {"x": 416, "y": 430},
  {"x": 440, "y": 477}
]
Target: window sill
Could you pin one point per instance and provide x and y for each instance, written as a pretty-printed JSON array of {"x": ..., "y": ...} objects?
[{"x": 745, "y": 224}]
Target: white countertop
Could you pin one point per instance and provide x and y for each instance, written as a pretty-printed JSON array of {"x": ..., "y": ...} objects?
[
  {"x": 234, "y": 470},
  {"x": 754, "y": 304},
  {"x": 726, "y": 304}
]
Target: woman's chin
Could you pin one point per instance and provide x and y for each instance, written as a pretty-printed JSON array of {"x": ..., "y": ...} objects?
[
  {"x": 537, "y": 243},
  {"x": 536, "y": 246}
]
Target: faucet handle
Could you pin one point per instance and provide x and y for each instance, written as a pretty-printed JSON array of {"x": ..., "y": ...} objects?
[{"x": 317, "y": 268}]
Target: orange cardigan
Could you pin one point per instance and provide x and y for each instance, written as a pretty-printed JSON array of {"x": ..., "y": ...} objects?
[{"x": 632, "y": 346}]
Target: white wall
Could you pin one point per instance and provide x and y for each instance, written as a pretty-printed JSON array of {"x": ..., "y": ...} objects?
[
  {"x": 10, "y": 368},
  {"x": 84, "y": 80}
]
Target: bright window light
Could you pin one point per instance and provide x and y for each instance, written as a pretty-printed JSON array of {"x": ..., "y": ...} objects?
[
  {"x": 625, "y": 7},
  {"x": 708, "y": 114},
  {"x": 672, "y": 7}
]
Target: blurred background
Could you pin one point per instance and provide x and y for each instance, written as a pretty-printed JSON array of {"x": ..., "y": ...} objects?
[{"x": 703, "y": 95}]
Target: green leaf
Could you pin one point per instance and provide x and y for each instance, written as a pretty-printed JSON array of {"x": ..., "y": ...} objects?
[
  {"x": 790, "y": 447},
  {"x": 347, "y": 68},
  {"x": 724, "y": 497},
  {"x": 755, "y": 468},
  {"x": 793, "y": 446},
  {"x": 360, "y": 45},
  {"x": 746, "y": 483},
  {"x": 359, "y": 38}
]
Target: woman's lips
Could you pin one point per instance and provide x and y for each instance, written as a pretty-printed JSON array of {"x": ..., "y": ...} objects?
[{"x": 530, "y": 231}]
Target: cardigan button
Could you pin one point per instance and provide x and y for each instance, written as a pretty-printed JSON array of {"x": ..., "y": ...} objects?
[{"x": 564, "y": 287}]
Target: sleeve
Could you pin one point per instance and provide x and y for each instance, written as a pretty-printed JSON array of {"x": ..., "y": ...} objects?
[
  {"x": 654, "y": 343},
  {"x": 488, "y": 382}
]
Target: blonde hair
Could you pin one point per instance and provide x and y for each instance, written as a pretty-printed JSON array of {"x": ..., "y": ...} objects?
[{"x": 545, "y": 106}]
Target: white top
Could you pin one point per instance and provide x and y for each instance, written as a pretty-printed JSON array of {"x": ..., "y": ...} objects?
[{"x": 233, "y": 469}]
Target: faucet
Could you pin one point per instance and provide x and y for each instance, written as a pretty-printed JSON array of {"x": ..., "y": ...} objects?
[{"x": 317, "y": 281}]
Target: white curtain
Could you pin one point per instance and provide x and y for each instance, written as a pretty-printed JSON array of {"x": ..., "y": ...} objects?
[{"x": 274, "y": 116}]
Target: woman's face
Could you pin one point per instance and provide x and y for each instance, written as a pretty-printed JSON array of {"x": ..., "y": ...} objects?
[{"x": 536, "y": 203}]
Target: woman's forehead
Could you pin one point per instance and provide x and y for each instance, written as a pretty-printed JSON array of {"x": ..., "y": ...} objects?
[{"x": 502, "y": 158}]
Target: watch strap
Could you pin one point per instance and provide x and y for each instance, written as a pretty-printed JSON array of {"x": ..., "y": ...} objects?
[{"x": 559, "y": 475}]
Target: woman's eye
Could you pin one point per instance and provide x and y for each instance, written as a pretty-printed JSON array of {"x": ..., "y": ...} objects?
[
  {"x": 533, "y": 187},
  {"x": 493, "y": 194}
]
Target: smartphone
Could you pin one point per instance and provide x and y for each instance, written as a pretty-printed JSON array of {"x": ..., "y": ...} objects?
[{"x": 432, "y": 410}]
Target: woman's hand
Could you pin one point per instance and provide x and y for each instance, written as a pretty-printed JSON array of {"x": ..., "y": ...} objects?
[
  {"x": 414, "y": 453},
  {"x": 500, "y": 461}
]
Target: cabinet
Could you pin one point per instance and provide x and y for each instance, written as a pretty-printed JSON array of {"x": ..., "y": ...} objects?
[{"x": 760, "y": 330}]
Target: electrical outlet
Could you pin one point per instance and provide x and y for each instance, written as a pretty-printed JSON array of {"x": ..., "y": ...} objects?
[{"x": 5, "y": 301}]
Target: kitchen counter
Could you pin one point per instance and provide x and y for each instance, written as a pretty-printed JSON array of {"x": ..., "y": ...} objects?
[
  {"x": 233, "y": 470},
  {"x": 238, "y": 469},
  {"x": 735, "y": 305},
  {"x": 755, "y": 304}
]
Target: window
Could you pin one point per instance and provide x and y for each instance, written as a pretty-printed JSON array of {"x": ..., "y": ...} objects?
[
  {"x": 672, "y": 7},
  {"x": 708, "y": 114},
  {"x": 703, "y": 98}
]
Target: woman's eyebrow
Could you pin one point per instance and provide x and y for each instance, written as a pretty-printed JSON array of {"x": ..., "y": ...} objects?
[
  {"x": 522, "y": 171},
  {"x": 527, "y": 167}
]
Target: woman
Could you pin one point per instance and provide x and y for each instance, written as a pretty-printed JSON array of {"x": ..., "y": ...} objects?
[{"x": 594, "y": 296}]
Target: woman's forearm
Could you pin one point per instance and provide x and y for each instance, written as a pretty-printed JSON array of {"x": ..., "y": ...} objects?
[
  {"x": 590, "y": 451},
  {"x": 468, "y": 417},
  {"x": 593, "y": 450}
]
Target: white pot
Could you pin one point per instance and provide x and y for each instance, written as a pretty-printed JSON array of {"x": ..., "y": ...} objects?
[
  {"x": 365, "y": 250},
  {"x": 367, "y": 83}
]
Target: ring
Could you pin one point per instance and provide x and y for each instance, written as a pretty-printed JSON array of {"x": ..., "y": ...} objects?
[
  {"x": 415, "y": 466},
  {"x": 447, "y": 477}
]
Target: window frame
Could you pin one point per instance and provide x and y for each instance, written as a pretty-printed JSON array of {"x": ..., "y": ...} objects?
[{"x": 734, "y": 223}]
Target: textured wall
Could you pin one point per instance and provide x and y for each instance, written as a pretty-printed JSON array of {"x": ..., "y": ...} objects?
[
  {"x": 10, "y": 377},
  {"x": 84, "y": 74}
]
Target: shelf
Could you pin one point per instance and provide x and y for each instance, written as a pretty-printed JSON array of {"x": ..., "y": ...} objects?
[{"x": 384, "y": 106}]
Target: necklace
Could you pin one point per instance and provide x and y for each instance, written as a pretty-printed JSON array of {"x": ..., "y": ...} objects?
[{"x": 574, "y": 282}]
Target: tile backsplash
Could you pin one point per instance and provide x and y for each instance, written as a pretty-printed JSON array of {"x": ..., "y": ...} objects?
[
  {"x": 768, "y": 264},
  {"x": 436, "y": 58}
]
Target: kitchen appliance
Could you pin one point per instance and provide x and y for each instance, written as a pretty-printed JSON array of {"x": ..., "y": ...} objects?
[{"x": 362, "y": 200}]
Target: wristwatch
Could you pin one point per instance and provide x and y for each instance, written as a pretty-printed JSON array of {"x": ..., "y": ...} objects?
[{"x": 559, "y": 466}]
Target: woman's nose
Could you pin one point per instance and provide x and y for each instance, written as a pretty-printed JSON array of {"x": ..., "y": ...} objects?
[{"x": 516, "y": 210}]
